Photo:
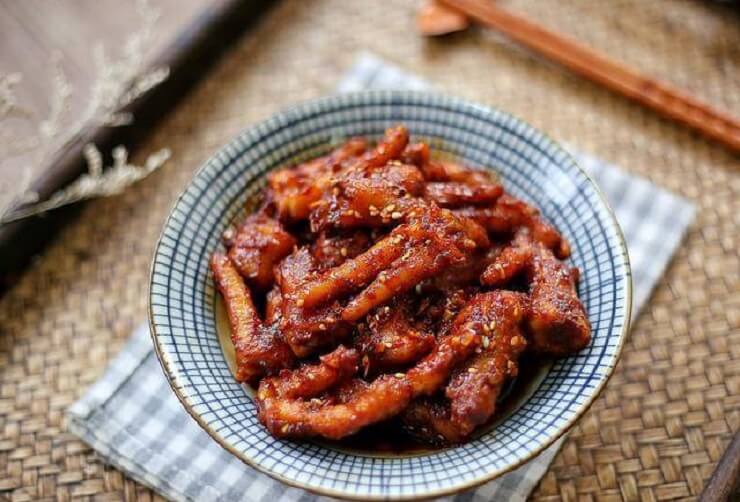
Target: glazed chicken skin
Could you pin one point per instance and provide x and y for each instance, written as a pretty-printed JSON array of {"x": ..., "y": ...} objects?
[{"x": 377, "y": 284}]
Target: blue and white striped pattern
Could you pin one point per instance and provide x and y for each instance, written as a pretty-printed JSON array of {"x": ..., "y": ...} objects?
[{"x": 531, "y": 166}]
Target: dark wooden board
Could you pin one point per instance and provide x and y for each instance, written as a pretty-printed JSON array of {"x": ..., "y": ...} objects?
[{"x": 189, "y": 57}]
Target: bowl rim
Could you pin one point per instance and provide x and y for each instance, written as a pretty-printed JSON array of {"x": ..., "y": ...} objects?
[{"x": 452, "y": 488}]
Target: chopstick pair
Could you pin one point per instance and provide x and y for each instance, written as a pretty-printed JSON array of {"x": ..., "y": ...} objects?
[{"x": 446, "y": 16}]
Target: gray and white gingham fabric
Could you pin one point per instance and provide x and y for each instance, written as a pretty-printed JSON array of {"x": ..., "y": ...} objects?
[{"x": 133, "y": 419}]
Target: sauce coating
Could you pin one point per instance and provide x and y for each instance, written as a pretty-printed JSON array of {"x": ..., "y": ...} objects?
[{"x": 378, "y": 288}]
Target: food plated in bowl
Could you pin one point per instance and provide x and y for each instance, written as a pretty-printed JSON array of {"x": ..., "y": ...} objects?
[
  {"x": 393, "y": 287},
  {"x": 389, "y": 286}
]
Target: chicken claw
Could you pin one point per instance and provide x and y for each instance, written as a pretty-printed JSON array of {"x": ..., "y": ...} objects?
[
  {"x": 432, "y": 238},
  {"x": 557, "y": 323},
  {"x": 310, "y": 380},
  {"x": 455, "y": 194},
  {"x": 306, "y": 330},
  {"x": 509, "y": 214},
  {"x": 370, "y": 198},
  {"x": 389, "y": 148},
  {"x": 470, "y": 396},
  {"x": 294, "y": 190},
  {"x": 390, "y": 340},
  {"x": 256, "y": 247},
  {"x": 292, "y": 405},
  {"x": 475, "y": 386},
  {"x": 366, "y": 403},
  {"x": 260, "y": 350}
]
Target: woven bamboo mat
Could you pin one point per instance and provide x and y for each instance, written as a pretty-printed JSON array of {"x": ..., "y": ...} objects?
[{"x": 664, "y": 419}]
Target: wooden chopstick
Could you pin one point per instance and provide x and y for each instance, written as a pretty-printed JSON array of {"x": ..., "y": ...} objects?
[
  {"x": 660, "y": 96},
  {"x": 724, "y": 479}
]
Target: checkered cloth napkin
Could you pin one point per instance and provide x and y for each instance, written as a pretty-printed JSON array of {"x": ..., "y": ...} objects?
[{"x": 132, "y": 418}]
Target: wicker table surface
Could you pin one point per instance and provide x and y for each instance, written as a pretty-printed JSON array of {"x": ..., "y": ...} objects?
[{"x": 665, "y": 418}]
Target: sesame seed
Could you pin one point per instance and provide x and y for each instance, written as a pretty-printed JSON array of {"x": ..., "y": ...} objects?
[
  {"x": 343, "y": 251},
  {"x": 300, "y": 302},
  {"x": 418, "y": 289},
  {"x": 399, "y": 375},
  {"x": 472, "y": 370},
  {"x": 285, "y": 429},
  {"x": 396, "y": 215},
  {"x": 388, "y": 344},
  {"x": 322, "y": 326},
  {"x": 492, "y": 325},
  {"x": 390, "y": 207},
  {"x": 486, "y": 342}
]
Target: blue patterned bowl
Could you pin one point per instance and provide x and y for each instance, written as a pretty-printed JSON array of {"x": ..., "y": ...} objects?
[{"x": 184, "y": 305}]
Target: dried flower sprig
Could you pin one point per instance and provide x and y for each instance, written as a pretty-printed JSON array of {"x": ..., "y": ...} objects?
[
  {"x": 98, "y": 182},
  {"x": 59, "y": 102},
  {"x": 8, "y": 100}
]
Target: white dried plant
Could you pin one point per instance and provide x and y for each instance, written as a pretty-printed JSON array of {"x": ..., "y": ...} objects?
[
  {"x": 118, "y": 82},
  {"x": 98, "y": 181},
  {"x": 8, "y": 101}
]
